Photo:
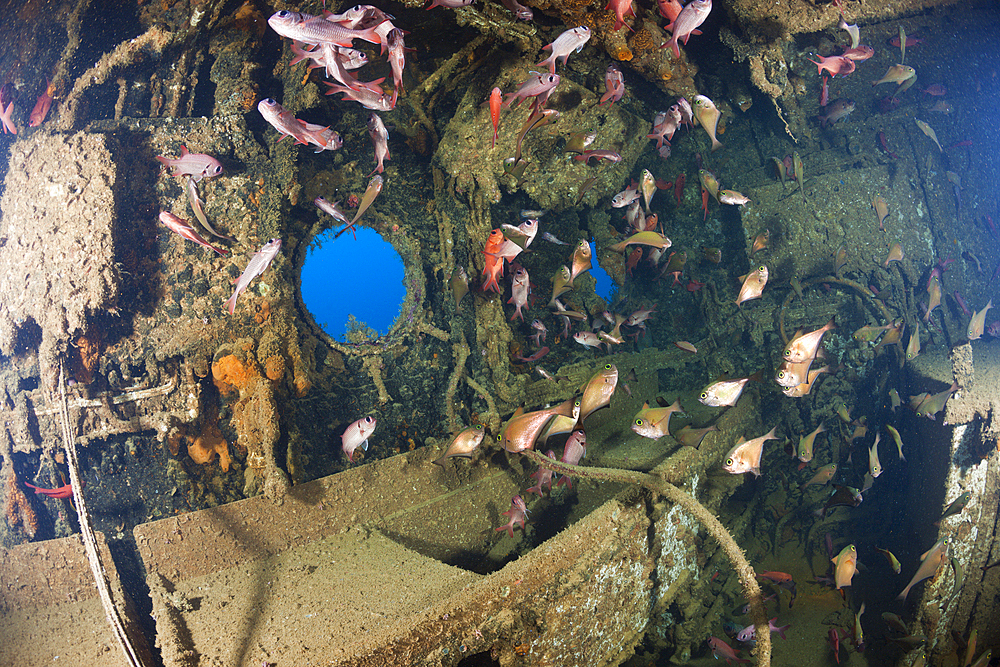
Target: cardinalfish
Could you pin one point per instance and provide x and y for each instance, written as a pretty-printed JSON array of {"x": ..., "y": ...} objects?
[
  {"x": 753, "y": 285},
  {"x": 724, "y": 392},
  {"x": 760, "y": 242},
  {"x": 930, "y": 561},
  {"x": 654, "y": 423},
  {"x": 746, "y": 455},
  {"x": 464, "y": 444},
  {"x": 371, "y": 192},
  {"x": 929, "y": 131},
  {"x": 895, "y": 254},
  {"x": 580, "y": 261}
]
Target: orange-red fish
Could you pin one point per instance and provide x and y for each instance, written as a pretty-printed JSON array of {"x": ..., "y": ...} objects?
[
  {"x": 496, "y": 98},
  {"x": 42, "y": 106},
  {"x": 494, "y": 262}
]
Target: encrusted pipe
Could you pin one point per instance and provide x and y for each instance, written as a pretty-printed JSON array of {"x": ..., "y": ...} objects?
[{"x": 751, "y": 589}]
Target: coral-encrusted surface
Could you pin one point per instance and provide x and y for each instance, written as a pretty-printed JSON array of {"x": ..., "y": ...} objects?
[{"x": 57, "y": 261}]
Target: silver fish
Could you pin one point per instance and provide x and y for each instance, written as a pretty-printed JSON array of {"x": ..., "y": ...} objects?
[{"x": 256, "y": 266}]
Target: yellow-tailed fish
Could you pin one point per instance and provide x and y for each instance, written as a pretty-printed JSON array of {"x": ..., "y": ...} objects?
[
  {"x": 844, "y": 415},
  {"x": 859, "y": 637},
  {"x": 978, "y": 322},
  {"x": 779, "y": 169},
  {"x": 874, "y": 465},
  {"x": 760, "y": 242},
  {"x": 929, "y": 131},
  {"x": 869, "y": 333},
  {"x": 894, "y": 399},
  {"x": 913, "y": 347},
  {"x": 934, "y": 403},
  {"x": 579, "y": 141},
  {"x": 902, "y": 44},
  {"x": 560, "y": 423},
  {"x": 580, "y": 260},
  {"x": 905, "y": 84},
  {"x": 895, "y": 254},
  {"x": 804, "y": 346},
  {"x": 959, "y": 576},
  {"x": 709, "y": 182},
  {"x": 893, "y": 563},
  {"x": 891, "y": 337},
  {"x": 520, "y": 432},
  {"x": 800, "y": 175},
  {"x": 707, "y": 115},
  {"x": 844, "y": 566},
  {"x": 692, "y": 437},
  {"x": 955, "y": 506},
  {"x": 647, "y": 186},
  {"x": 459, "y": 285},
  {"x": 881, "y": 210},
  {"x": 984, "y": 659},
  {"x": 970, "y": 649},
  {"x": 930, "y": 561},
  {"x": 895, "y": 622},
  {"x": 598, "y": 390},
  {"x": 897, "y": 74},
  {"x": 535, "y": 120},
  {"x": 374, "y": 187},
  {"x": 199, "y": 212},
  {"x": 860, "y": 428},
  {"x": 898, "y": 440},
  {"x": 839, "y": 259},
  {"x": 723, "y": 392},
  {"x": 561, "y": 283},
  {"x": 805, "y": 448},
  {"x": 745, "y": 456},
  {"x": 714, "y": 255},
  {"x": 464, "y": 444},
  {"x": 753, "y": 285},
  {"x": 643, "y": 238},
  {"x": 803, "y": 389},
  {"x": 797, "y": 287},
  {"x": 654, "y": 423},
  {"x": 822, "y": 476}
]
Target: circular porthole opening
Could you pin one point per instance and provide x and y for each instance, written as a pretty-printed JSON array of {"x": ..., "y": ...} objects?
[{"x": 353, "y": 284}]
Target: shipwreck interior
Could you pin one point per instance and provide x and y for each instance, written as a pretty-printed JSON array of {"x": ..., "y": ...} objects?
[{"x": 189, "y": 475}]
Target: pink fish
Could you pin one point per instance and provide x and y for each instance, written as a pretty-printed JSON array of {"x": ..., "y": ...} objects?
[
  {"x": 565, "y": 44},
  {"x": 337, "y": 213},
  {"x": 720, "y": 649},
  {"x": 539, "y": 86},
  {"x": 256, "y": 266},
  {"x": 181, "y": 227},
  {"x": 587, "y": 339},
  {"x": 195, "y": 165},
  {"x": 520, "y": 288},
  {"x": 621, "y": 8},
  {"x": 366, "y": 97},
  {"x": 287, "y": 125},
  {"x": 42, "y": 106},
  {"x": 614, "y": 85},
  {"x": 839, "y": 109},
  {"x": 7, "y": 108},
  {"x": 686, "y": 24},
  {"x": 670, "y": 9},
  {"x": 397, "y": 57},
  {"x": 833, "y": 64},
  {"x": 750, "y": 632},
  {"x": 936, "y": 90},
  {"x": 380, "y": 138},
  {"x": 450, "y": 4},
  {"x": 519, "y": 10},
  {"x": 518, "y": 514},
  {"x": 535, "y": 357},
  {"x": 317, "y": 30},
  {"x": 859, "y": 53},
  {"x": 542, "y": 477},
  {"x": 824, "y": 93},
  {"x": 357, "y": 435},
  {"x": 600, "y": 154},
  {"x": 665, "y": 124},
  {"x": 574, "y": 450}
]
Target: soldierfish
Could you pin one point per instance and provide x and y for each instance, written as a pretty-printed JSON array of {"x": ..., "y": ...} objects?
[
  {"x": 496, "y": 98},
  {"x": 315, "y": 30},
  {"x": 464, "y": 444},
  {"x": 256, "y": 266},
  {"x": 181, "y": 227},
  {"x": 833, "y": 64},
  {"x": 745, "y": 456},
  {"x": 518, "y": 511},
  {"x": 749, "y": 633},
  {"x": 542, "y": 477},
  {"x": 565, "y": 44},
  {"x": 380, "y": 139},
  {"x": 686, "y": 24},
  {"x": 195, "y": 165},
  {"x": 574, "y": 450},
  {"x": 7, "y": 108},
  {"x": 42, "y": 106},
  {"x": 614, "y": 85},
  {"x": 930, "y": 560},
  {"x": 720, "y": 649},
  {"x": 520, "y": 288},
  {"x": 356, "y": 436},
  {"x": 365, "y": 96}
]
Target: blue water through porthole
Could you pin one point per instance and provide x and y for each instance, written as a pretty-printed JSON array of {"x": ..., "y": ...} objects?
[
  {"x": 605, "y": 287},
  {"x": 343, "y": 277}
]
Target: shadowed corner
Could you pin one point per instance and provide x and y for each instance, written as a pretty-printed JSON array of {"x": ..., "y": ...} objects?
[{"x": 349, "y": 284}]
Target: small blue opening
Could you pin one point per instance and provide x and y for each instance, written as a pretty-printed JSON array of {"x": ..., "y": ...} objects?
[
  {"x": 605, "y": 287},
  {"x": 362, "y": 277}
]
